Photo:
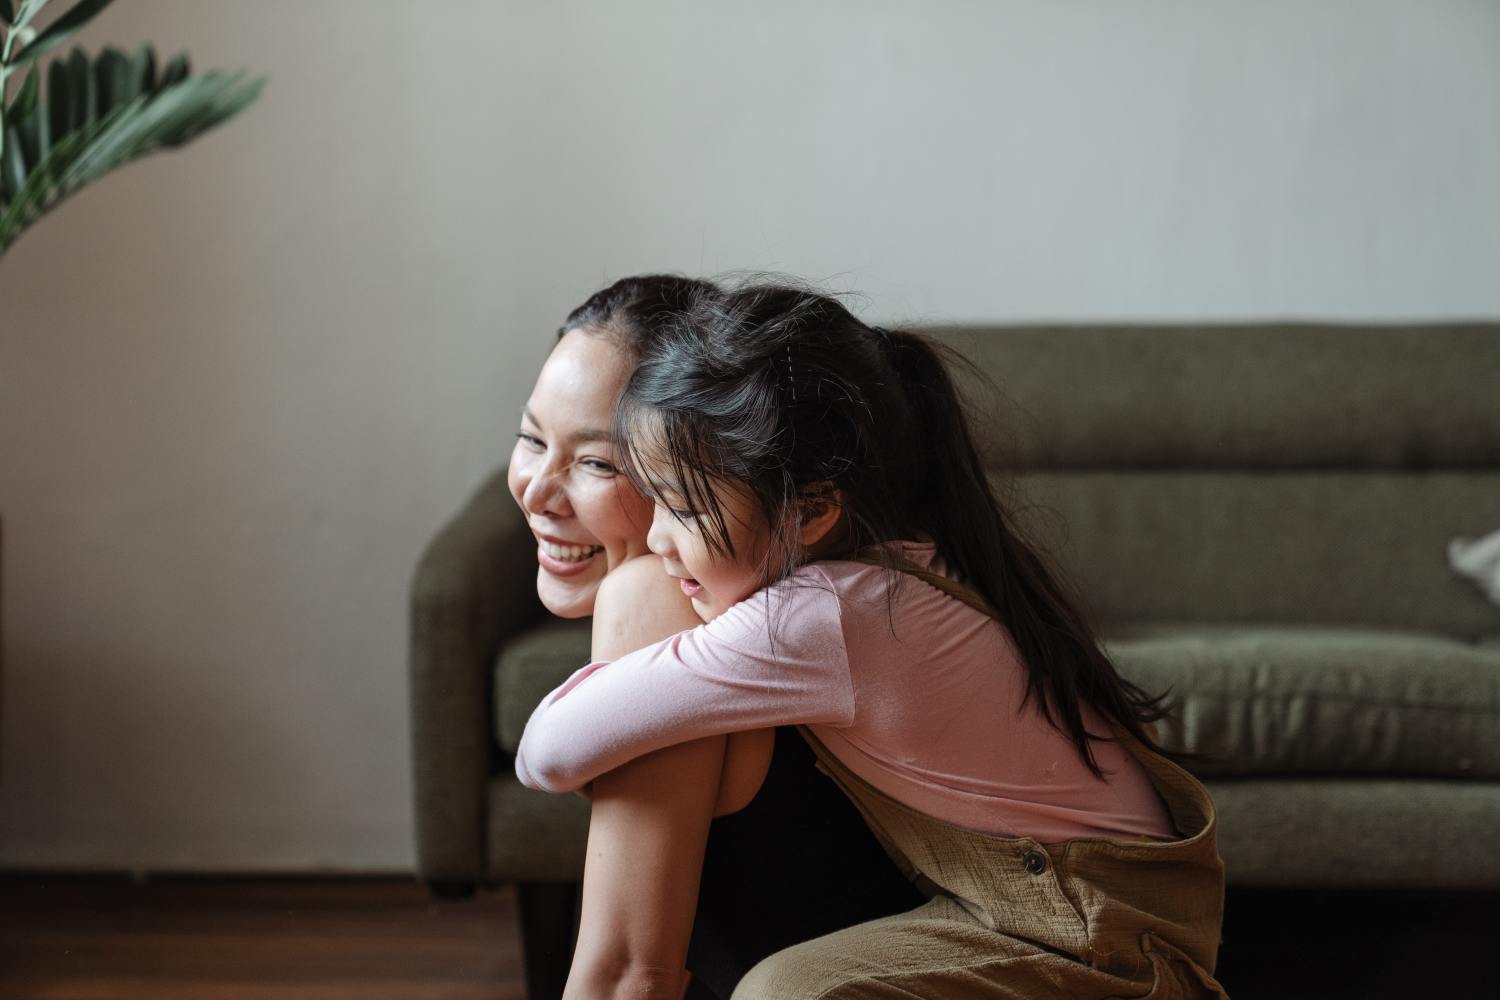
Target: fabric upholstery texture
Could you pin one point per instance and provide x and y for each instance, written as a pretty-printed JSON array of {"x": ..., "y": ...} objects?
[
  {"x": 1299, "y": 547},
  {"x": 529, "y": 668},
  {"x": 1250, "y": 396},
  {"x": 1299, "y": 701},
  {"x": 1376, "y": 833}
]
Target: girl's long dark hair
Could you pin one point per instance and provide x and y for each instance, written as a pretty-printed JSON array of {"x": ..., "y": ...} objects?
[{"x": 783, "y": 392}]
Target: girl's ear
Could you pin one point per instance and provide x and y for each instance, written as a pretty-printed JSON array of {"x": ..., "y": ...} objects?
[{"x": 820, "y": 510}]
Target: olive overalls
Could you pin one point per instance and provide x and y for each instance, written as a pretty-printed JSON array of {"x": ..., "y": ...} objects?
[{"x": 1008, "y": 917}]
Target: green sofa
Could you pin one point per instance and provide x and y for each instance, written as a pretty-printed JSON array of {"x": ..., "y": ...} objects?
[{"x": 1258, "y": 516}]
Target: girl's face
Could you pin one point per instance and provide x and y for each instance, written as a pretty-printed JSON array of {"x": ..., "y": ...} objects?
[
  {"x": 712, "y": 582},
  {"x": 587, "y": 518}
]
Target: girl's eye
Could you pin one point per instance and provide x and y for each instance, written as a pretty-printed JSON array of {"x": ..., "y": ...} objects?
[
  {"x": 532, "y": 441},
  {"x": 598, "y": 465},
  {"x": 681, "y": 515}
]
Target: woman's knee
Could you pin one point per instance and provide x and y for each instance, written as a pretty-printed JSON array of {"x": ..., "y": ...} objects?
[{"x": 747, "y": 758}]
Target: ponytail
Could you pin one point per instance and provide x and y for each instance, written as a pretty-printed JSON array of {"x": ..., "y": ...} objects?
[{"x": 977, "y": 537}]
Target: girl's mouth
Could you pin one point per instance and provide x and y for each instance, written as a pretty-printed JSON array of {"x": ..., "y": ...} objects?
[
  {"x": 565, "y": 560},
  {"x": 691, "y": 587}
]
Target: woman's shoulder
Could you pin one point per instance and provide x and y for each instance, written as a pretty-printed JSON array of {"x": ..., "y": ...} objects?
[
  {"x": 635, "y": 576},
  {"x": 636, "y": 604}
]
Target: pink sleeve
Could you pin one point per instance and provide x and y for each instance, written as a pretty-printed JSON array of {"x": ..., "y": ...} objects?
[{"x": 723, "y": 677}]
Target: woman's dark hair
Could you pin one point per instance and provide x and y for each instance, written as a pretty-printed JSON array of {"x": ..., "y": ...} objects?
[
  {"x": 783, "y": 392},
  {"x": 636, "y": 312}
]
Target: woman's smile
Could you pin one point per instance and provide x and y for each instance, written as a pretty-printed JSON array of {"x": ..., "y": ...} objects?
[{"x": 564, "y": 558}]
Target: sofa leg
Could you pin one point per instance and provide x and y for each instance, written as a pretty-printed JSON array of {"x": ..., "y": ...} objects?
[
  {"x": 549, "y": 924},
  {"x": 445, "y": 890}
]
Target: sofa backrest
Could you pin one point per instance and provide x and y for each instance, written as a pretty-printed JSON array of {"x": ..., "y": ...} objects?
[{"x": 1292, "y": 473}]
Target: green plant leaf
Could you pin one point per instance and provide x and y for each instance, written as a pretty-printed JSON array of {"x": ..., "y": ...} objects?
[
  {"x": 36, "y": 135},
  {"x": 12, "y": 165},
  {"x": 60, "y": 30},
  {"x": 84, "y": 90},
  {"x": 24, "y": 14},
  {"x": 58, "y": 98},
  {"x": 113, "y": 78},
  {"x": 143, "y": 64},
  {"x": 176, "y": 71},
  {"x": 26, "y": 97},
  {"x": 110, "y": 130}
]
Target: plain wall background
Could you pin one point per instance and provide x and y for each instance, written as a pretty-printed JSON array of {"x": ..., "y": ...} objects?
[{"x": 243, "y": 383}]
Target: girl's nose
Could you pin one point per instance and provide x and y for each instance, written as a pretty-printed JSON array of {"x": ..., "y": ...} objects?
[{"x": 658, "y": 539}]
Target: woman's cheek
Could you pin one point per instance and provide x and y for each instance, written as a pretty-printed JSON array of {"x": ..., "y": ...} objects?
[
  {"x": 636, "y": 510},
  {"x": 605, "y": 510}
]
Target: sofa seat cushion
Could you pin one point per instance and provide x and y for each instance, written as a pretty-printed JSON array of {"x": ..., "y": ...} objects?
[
  {"x": 529, "y": 667},
  {"x": 1259, "y": 701},
  {"x": 1272, "y": 700}
]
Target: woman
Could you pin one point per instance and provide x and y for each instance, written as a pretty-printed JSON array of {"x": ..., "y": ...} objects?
[{"x": 781, "y": 855}]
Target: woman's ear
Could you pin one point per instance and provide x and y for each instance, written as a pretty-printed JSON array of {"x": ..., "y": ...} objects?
[{"x": 820, "y": 509}]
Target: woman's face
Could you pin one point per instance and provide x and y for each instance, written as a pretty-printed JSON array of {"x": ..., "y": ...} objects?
[{"x": 586, "y": 516}]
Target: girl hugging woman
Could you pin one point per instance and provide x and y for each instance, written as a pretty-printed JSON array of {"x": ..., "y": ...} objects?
[{"x": 867, "y": 632}]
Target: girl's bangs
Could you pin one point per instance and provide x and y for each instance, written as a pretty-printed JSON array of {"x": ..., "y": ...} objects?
[{"x": 667, "y": 455}]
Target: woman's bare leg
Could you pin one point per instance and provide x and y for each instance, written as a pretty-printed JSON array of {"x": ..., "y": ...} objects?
[
  {"x": 650, "y": 819},
  {"x": 647, "y": 834}
]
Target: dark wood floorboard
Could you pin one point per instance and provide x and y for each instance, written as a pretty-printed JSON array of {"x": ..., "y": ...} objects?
[
  {"x": 106, "y": 938},
  {"x": 256, "y": 938}
]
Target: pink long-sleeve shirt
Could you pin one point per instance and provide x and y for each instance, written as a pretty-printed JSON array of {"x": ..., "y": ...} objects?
[{"x": 920, "y": 696}]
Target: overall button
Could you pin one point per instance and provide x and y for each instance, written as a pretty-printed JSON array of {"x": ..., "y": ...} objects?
[{"x": 1035, "y": 861}]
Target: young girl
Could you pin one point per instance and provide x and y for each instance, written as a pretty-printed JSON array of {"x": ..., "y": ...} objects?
[{"x": 821, "y": 500}]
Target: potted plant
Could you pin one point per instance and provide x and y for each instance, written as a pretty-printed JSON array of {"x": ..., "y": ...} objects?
[{"x": 95, "y": 115}]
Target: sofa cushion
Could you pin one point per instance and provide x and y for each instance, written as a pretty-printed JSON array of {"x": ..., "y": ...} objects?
[
  {"x": 1329, "y": 547},
  {"x": 529, "y": 667},
  {"x": 1289, "y": 700},
  {"x": 1236, "y": 396}
]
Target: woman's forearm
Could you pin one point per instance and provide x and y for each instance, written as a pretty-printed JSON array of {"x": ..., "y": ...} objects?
[
  {"x": 649, "y": 823},
  {"x": 646, "y": 841}
]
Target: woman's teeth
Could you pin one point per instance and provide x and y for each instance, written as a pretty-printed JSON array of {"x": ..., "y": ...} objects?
[{"x": 570, "y": 553}]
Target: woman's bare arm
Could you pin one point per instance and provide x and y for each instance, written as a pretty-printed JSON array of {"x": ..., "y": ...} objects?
[{"x": 650, "y": 819}]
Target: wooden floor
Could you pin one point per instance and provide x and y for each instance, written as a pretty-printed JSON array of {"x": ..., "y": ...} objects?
[
  {"x": 197, "y": 938},
  {"x": 72, "y": 938}
]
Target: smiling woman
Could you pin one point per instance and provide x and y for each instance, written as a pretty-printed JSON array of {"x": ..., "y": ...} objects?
[
  {"x": 587, "y": 518},
  {"x": 564, "y": 473}
]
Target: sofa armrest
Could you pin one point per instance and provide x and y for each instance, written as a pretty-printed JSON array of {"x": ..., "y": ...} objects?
[{"x": 474, "y": 586}]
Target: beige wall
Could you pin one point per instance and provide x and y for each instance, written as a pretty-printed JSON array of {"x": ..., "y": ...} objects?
[{"x": 240, "y": 385}]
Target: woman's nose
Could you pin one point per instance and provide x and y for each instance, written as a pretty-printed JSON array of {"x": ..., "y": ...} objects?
[{"x": 544, "y": 492}]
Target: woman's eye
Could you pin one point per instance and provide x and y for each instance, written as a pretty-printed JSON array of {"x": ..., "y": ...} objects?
[
  {"x": 681, "y": 515},
  {"x": 598, "y": 465},
  {"x": 532, "y": 441}
]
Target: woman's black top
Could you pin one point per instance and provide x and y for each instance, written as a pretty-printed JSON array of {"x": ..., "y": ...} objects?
[{"x": 796, "y": 863}]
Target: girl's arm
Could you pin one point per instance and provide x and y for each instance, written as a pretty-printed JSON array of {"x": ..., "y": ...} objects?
[
  {"x": 776, "y": 658},
  {"x": 650, "y": 818}
]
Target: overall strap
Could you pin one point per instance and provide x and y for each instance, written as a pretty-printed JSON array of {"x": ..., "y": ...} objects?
[{"x": 952, "y": 588}]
